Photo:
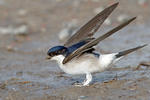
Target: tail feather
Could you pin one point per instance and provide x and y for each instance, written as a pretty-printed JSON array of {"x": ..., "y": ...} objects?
[{"x": 122, "y": 53}]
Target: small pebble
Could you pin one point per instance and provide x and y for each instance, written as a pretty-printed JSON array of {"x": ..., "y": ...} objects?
[
  {"x": 19, "y": 73},
  {"x": 123, "y": 18},
  {"x": 22, "y": 12},
  {"x": 11, "y": 48},
  {"x": 64, "y": 34},
  {"x": 2, "y": 85},
  {"x": 142, "y": 2},
  {"x": 14, "y": 89},
  {"x": 21, "y": 30},
  {"x": 82, "y": 97},
  {"x": 68, "y": 31}
]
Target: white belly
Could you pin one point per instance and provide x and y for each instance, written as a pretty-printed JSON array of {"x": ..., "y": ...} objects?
[
  {"x": 87, "y": 63},
  {"x": 79, "y": 68}
]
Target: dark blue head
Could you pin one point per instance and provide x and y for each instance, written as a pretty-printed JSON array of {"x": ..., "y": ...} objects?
[{"x": 57, "y": 50}]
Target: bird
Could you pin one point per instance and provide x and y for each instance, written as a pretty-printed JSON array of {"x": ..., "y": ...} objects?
[{"x": 78, "y": 54}]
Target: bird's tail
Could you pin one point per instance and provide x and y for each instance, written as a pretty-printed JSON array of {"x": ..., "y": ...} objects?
[{"x": 125, "y": 52}]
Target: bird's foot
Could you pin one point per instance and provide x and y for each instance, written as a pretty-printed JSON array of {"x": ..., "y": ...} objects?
[
  {"x": 115, "y": 78},
  {"x": 80, "y": 84}
]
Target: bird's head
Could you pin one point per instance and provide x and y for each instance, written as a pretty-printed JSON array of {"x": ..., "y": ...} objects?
[{"x": 56, "y": 51}]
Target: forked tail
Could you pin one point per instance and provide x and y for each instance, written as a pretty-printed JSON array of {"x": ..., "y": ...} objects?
[{"x": 123, "y": 53}]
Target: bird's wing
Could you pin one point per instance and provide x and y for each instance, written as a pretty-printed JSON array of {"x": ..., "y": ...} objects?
[
  {"x": 95, "y": 41},
  {"x": 88, "y": 30},
  {"x": 125, "y": 52},
  {"x": 78, "y": 45}
]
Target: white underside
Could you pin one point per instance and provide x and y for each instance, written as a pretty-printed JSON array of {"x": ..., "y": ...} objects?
[{"x": 87, "y": 63}]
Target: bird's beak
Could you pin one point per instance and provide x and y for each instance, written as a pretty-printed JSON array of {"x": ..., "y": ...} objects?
[{"x": 48, "y": 57}]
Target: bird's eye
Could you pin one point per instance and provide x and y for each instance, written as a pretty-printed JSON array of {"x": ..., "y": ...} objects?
[
  {"x": 51, "y": 54},
  {"x": 54, "y": 53}
]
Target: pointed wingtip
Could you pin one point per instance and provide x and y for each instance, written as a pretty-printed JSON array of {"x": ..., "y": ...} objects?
[
  {"x": 130, "y": 20},
  {"x": 143, "y": 45},
  {"x": 125, "y": 52},
  {"x": 139, "y": 47},
  {"x": 133, "y": 18},
  {"x": 117, "y": 3},
  {"x": 114, "y": 5}
]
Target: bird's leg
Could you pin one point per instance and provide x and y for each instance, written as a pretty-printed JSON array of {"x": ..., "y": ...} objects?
[{"x": 88, "y": 79}]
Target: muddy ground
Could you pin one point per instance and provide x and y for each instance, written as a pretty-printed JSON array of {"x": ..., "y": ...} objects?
[{"x": 26, "y": 75}]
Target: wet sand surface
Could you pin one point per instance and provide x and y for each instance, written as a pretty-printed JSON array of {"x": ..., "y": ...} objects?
[{"x": 26, "y": 75}]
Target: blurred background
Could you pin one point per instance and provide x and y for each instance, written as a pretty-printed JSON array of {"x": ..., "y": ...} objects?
[{"x": 28, "y": 28}]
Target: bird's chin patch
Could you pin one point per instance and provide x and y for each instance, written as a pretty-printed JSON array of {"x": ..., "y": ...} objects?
[
  {"x": 53, "y": 58},
  {"x": 58, "y": 58}
]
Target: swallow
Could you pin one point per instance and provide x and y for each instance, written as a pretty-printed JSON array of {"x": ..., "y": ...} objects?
[{"x": 78, "y": 56}]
